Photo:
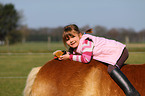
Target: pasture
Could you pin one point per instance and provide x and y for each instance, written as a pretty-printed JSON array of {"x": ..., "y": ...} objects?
[{"x": 15, "y": 66}]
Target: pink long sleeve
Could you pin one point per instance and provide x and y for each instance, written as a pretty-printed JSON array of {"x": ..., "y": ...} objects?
[{"x": 87, "y": 51}]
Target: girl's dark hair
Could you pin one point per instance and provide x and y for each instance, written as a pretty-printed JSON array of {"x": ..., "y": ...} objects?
[{"x": 71, "y": 27}]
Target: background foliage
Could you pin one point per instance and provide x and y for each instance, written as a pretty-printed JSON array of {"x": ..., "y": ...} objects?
[{"x": 9, "y": 21}]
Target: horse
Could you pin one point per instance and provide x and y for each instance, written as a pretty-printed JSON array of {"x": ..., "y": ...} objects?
[{"x": 72, "y": 78}]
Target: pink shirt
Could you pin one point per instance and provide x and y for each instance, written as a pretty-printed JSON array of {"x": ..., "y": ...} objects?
[{"x": 101, "y": 49}]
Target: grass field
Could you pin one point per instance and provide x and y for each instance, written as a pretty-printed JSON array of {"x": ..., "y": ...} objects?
[
  {"x": 14, "y": 70},
  {"x": 32, "y": 47},
  {"x": 15, "y": 66}
]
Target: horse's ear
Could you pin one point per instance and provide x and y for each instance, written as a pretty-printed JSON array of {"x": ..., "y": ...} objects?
[{"x": 89, "y": 31}]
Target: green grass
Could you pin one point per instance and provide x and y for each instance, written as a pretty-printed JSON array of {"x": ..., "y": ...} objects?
[
  {"x": 23, "y": 63},
  {"x": 136, "y": 58},
  {"x": 19, "y": 65},
  {"x": 11, "y": 87},
  {"x": 32, "y": 47},
  {"x": 136, "y": 47}
]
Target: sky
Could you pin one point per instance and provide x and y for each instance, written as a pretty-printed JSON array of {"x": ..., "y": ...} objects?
[{"x": 129, "y": 14}]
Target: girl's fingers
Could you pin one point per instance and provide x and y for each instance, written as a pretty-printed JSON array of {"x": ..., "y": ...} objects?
[{"x": 60, "y": 58}]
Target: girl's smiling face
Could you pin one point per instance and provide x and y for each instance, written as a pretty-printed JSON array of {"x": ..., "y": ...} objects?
[{"x": 73, "y": 41}]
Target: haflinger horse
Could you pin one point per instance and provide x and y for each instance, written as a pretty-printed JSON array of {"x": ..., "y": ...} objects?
[{"x": 71, "y": 78}]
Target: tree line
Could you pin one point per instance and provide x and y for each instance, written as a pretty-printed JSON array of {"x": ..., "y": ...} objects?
[
  {"x": 12, "y": 31},
  {"x": 55, "y": 34}
]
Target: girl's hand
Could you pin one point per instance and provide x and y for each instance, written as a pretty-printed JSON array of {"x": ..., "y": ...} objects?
[{"x": 64, "y": 57}]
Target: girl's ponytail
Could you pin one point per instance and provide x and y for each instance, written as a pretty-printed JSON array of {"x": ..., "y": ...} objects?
[{"x": 88, "y": 31}]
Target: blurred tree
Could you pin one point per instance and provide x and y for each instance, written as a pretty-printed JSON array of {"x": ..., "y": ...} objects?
[
  {"x": 133, "y": 35},
  {"x": 9, "y": 18},
  {"x": 141, "y": 36},
  {"x": 100, "y": 31},
  {"x": 14, "y": 36},
  {"x": 40, "y": 34},
  {"x": 25, "y": 32},
  {"x": 84, "y": 28},
  {"x": 113, "y": 33},
  {"x": 56, "y": 34}
]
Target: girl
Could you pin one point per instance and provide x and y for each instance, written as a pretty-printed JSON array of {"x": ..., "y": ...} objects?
[{"x": 89, "y": 47}]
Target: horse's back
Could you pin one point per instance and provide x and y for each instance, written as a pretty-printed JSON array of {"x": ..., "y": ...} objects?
[{"x": 70, "y": 78}]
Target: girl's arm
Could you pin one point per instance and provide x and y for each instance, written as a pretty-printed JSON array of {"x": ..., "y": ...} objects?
[{"x": 87, "y": 52}]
